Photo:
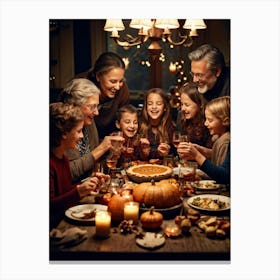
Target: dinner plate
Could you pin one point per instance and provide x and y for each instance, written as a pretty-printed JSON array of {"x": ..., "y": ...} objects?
[
  {"x": 199, "y": 172},
  {"x": 205, "y": 185},
  {"x": 183, "y": 170},
  {"x": 79, "y": 212},
  {"x": 151, "y": 240},
  {"x": 212, "y": 197}
]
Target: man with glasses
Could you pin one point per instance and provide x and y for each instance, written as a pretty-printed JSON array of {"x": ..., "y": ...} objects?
[{"x": 209, "y": 72}]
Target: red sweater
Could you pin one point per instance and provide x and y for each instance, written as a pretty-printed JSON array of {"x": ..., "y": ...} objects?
[{"x": 62, "y": 193}]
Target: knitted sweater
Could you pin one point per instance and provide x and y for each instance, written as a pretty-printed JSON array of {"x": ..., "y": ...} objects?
[
  {"x": 63, "y": 194},
  {"x": 219, "y": 149},
  {"x": 81, "y": 166},
  {"x": 221, "y": 174}
]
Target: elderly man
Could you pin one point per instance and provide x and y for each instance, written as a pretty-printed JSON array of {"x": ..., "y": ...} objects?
[{"x": 209, "y": 72}]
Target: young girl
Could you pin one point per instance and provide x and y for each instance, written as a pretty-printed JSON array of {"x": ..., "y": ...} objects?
[
  {"x": 217, "y": 112},
  {"x": 134, "y": 148},
  {"x": 191, "y": 118},
  {"x": 66, "y": 123},
  {"x": 156, "y": 123}
]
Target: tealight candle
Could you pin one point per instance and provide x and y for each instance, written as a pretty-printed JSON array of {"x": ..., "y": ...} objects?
[
  {"x": 131, "y": 211},
  {"x": 102, "y": 223},
  {"x": 172, "y": 230}
]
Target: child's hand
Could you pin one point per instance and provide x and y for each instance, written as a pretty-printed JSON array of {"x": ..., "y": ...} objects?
[
  {"x": 88, "y": 187},
  {"x": 129, "y": 150},
  {"x": 187, "y": 150},
  {"x": 163, "y": 149},
  {"x": 145, "y": 146}
]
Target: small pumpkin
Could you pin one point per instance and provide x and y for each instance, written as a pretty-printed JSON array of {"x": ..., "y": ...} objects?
[
  {"x": 151, "y": 219},
  {"x": 116, "y": 205}
]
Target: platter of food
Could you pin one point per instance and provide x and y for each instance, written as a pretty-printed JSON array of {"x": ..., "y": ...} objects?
[
  {"x": 84, "y": 212},
  {"x": 210, "y": 202},
  {"x": 206, "y": 185},
  {"x": 214, "y": 226},
  {"x": 147, "y": 172}
]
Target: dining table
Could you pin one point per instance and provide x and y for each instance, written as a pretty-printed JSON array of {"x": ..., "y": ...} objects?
[{"x": 193, "y": 245}]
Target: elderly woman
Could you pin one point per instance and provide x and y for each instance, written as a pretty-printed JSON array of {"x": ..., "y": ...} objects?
[
  {"x": 66, "y": 123},
  {"x": 83, "y": 93}
]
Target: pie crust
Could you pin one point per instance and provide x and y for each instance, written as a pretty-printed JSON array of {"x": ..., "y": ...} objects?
[{"x": 147, "y": 172}]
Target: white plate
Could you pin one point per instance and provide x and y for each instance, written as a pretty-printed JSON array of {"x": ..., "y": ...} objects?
[
  {"x": 151, "y": 240},
  {"x": 199, "y": 172},
  {"x": 205, "y": 185},
  {"x": 183, "y": 170},
  {"x": 221, "y": 198},
  {"x": 77, "y": 212}
]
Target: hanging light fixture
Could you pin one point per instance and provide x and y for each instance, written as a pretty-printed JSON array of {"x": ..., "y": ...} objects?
[{"x": 155, "y": 30}]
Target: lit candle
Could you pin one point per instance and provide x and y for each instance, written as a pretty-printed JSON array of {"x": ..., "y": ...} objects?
[
  {"x": 172, "y": 67},
  {"x": 131, "y": 211},
  {"x": 103, "y": 223},
  {"x": 172, "y": 230}
]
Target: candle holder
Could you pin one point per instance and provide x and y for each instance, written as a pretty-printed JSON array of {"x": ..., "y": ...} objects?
[
  {"x": 172, "y": 230},
  {"x": 131, "y": 211},
  {"x": 102, "y": 224}
]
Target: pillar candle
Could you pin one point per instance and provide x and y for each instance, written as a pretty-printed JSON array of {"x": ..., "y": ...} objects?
[
  {"x": 103, "y": 223},
  {"x": 131, "y": 211}
]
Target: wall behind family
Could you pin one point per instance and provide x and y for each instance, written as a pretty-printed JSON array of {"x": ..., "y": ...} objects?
[{"x": 76, "y": 44}]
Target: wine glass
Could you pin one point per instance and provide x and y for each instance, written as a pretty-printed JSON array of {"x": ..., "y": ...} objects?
[
  {"x": 111, "y": 161},
  {"x": 183, "y": 138},
  {"x": 176, "y": 138}
]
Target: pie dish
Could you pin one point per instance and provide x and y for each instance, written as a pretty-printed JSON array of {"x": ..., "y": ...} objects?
[{"x": 147, "y": 172}]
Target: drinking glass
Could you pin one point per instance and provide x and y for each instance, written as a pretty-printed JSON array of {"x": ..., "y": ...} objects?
[
  {"x": 111, "y": 161},
  {"x": 117, "y": 145},
  {"x": 176, "y": 138}
]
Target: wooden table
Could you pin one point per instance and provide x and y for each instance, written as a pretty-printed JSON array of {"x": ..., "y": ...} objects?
[{"x": 193, "y": 246}]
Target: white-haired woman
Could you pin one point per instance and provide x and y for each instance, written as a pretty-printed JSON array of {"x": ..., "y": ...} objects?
[{"x": 83, "y": 93}]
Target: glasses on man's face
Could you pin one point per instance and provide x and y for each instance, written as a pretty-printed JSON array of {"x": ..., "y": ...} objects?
[
  {"x": 198, "y": 75},
  {"x": 93, "y": 107}
]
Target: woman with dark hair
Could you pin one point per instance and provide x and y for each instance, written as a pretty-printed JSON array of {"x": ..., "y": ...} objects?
[
  {"x": 108, "y": 75},
  {"x": 83, "y": 93}
]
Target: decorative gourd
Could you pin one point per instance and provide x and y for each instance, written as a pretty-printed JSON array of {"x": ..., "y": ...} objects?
[
  {"x": 151, "y": 219},
  {"x": 116, "y": 205},
  {"x": 162, "y": 194}
]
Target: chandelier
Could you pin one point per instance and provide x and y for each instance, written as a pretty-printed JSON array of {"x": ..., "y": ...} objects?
[{"x": 156, "y": 30}]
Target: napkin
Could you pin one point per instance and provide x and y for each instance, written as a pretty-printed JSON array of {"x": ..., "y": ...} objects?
[{"x": 69, "y": 237}]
